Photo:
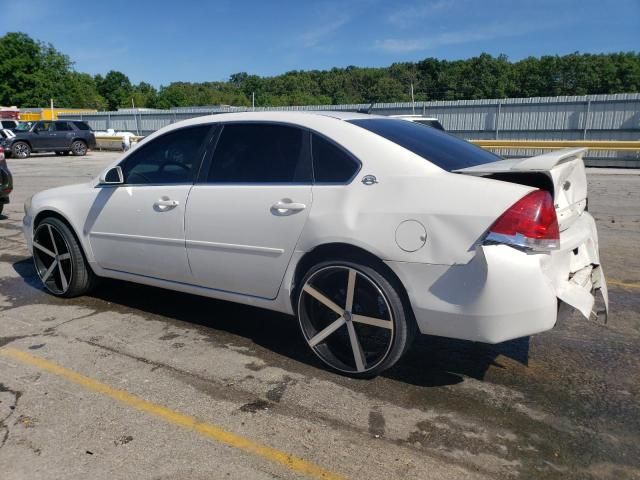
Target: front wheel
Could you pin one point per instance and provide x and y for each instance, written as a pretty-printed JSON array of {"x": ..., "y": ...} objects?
[
  {"x": 353, "y": 318},
  {"x": 21, "y": 150},
  {"x": 79, "y": 148},
  {"x": 59, "y": 261}
]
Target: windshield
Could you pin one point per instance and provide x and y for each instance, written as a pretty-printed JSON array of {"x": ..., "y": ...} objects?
[
  {"x": 23, "y": 126},
  {"x": 440, "y": 148}
]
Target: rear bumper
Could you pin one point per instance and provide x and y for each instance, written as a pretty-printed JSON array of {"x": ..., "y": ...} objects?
[{"x": 505, "y": 293}]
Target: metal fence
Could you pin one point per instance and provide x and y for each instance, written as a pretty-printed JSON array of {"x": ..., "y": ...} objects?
[{"x": 589, "y": 117}]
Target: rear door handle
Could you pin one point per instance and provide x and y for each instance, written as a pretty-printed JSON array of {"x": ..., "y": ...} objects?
[
  {"x": 165, "y": 203},
  {"x": 286, "y": 206}
]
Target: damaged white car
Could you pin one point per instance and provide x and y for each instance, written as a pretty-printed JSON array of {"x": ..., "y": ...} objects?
[{"x": 368, "y": 229}]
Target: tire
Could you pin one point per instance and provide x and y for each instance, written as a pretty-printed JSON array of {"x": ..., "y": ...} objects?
[
  {"x": 53, "y": 236},
  {"x": 79, "y": 148},
  {"x": 380, "y": 341},
  {"x": 1, "y": 208},
  {"x": 21, "y": 150}
]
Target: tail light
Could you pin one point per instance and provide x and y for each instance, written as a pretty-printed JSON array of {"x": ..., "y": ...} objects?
[{"x": 531, "y": 222}]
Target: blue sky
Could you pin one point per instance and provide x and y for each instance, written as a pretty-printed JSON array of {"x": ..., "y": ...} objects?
[{"x": 162, "y": 41}]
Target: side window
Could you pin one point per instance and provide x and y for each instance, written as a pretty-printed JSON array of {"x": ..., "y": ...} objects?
[
  {"x": 261, "y": 153},
  {"x": 44, "y": 126},
  {"x": 62, "y": 127},
  {"x": 172, "y": 158},
  {"x": 81, "y": 126},
  {"x": 331, "y": 164}
]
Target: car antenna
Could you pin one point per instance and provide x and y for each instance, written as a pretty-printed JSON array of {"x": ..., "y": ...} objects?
[{"x": 366, "y": 110}]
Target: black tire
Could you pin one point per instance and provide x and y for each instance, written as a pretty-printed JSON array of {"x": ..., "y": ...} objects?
[
  {"x": 21, "y": 150},
  {"x": 404, "y": 325},
  {"x": 1, "y": 208},
  {"x": 81, "y": 277},
  {"x": 79, "y": 148}
]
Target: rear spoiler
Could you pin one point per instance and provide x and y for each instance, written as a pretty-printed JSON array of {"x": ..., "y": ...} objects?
[{"x": 539, "y": 163}]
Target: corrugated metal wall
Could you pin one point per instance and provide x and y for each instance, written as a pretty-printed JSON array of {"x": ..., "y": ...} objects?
[{"x": 589, "y": 117}]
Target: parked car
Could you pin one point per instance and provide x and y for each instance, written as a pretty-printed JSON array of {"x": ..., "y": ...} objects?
[
  {"x": 8, "y": 124},
  {"x": 368, "y": 229},
  {"x": 422, "y": 120},
  {"x": 6, "y": 181},
  {"x": 60, "y": 136}
]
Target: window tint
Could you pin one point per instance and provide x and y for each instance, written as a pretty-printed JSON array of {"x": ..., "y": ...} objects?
[
  {"x": 44, "y": 126},
  {"x": 331, "y": 164},
  {"x": 82, "y": 126},
  {"x": 172, "y": 158},
  {"x": 9, "y": 124},
  {"x": 261, "y": 153},
  {"x": 62, "y": 127},
  {"x": 431, "y": 123},
  {"x": 444, "y": 150}
]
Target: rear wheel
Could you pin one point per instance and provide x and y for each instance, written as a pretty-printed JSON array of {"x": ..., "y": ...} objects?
[
  {"x": 79, "y": 148},
  {"x": 59, "y": 261},
  {"x": 353, "y": 318},
  {"x": 21, "y": 150}
]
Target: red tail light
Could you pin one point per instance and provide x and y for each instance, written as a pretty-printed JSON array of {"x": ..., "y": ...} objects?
[{"x": 531, "y": 222}]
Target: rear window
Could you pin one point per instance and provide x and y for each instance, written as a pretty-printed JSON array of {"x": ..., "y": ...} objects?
[
  {"x": 82, "y": 126},
  {"x": 440, "y": 148}
]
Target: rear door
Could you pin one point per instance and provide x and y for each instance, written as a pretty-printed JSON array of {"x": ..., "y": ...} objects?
[
  {"x": 62, "y": 135},
  {"x": 246, "y": 213}
]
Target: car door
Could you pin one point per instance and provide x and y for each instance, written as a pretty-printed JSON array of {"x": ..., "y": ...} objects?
[
  {"x": 247, "y": 210},
  {"x": 40, "y": 136},
  {"x": 61, "y": 136},
  {"x": 138, "y": 227}
]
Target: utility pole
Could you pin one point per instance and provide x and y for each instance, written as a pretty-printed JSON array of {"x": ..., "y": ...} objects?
[
  {"x": 413, "y": 100},
  {"x": 253, "y": 100},
  {"x": 52, "y": 109}
]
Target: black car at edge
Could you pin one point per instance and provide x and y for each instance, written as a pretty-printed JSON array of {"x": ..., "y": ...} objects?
[
  {"x": 59, "y": 136},
  {"x": 6, "y": 181}
]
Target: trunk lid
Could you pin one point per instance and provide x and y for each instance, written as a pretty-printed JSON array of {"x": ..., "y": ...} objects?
[{"x": 561, "y": 172}]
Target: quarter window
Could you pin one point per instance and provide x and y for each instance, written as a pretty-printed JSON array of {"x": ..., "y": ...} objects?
[
  {"x": 172, "y": 158},
  {"x": 82, "y": 126},
  {"x": 261, "y": 153},
  {"x": 331, "y": 164}
]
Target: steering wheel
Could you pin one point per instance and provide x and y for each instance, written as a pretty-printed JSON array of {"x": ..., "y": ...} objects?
[{"x": 173, "y": 162}]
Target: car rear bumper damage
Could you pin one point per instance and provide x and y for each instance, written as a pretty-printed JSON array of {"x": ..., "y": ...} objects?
[{"x": 506, "y": 293}]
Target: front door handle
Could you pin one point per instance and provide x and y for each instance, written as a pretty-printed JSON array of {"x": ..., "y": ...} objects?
[
  {"x": 287, "y": 207},
  {"x": 165, "y": 203}
]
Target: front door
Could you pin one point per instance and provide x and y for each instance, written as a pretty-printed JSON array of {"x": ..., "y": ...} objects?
[
  {"x": 244, "y": 218},
  {"x": 138, "y": 227},
  {"x": 41, "y": 137}
]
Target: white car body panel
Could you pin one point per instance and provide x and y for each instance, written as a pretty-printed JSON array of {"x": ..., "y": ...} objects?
[
  {"x": 234, "y": 247},
  {"x": 245, "y": 244}
]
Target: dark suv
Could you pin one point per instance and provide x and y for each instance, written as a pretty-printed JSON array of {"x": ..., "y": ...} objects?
[
  {"x": 6, "y": 181},
  {"x": 60, "y": 136}
]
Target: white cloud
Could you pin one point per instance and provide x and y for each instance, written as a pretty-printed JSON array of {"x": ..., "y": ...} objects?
[
  {"x": 404, "y": 17},
  {"x": 416, "y": 44},
  {"x": 316, "y": 35}
]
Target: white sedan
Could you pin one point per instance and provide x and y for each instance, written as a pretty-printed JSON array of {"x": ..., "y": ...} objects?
[{"x": 368, "y": 229}]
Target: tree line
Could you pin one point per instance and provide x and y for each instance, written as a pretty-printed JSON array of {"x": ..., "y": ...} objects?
[{"x": 33, "y": 72}]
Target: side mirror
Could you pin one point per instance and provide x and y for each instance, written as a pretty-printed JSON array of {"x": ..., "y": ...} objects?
[{"x": 113, "y": 176}]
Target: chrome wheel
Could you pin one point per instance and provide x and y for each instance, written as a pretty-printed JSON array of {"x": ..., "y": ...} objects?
[
  {"x": 52, "y": 258},
  {"x": 21, "y": 150},
  {"x": 346, "y": 319},
  {"x": 79, "y": 148}
]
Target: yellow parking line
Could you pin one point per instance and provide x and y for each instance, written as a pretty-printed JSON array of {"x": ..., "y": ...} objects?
[
  {"x": 618, "y": 283},
  {"x": 213, "y": 432}
]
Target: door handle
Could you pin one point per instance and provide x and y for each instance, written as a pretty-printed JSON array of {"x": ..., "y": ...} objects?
[
  {"x": 287, "y": 207},
  {"x": 165, "y": 203}
]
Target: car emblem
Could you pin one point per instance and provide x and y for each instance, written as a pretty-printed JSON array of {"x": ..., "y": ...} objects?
[{"x": 369, "y": 180}]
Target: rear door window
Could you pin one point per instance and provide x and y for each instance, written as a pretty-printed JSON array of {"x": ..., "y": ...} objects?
[
  {"x": 261, "y": 153},
  {"x": 331, "y": 164},
  {"x": 440, "y": 148},
  {"x": 62, "y": 127}
]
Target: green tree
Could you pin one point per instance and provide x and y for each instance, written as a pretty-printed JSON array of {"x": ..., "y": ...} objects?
[{"x": 116, "y": 89}]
